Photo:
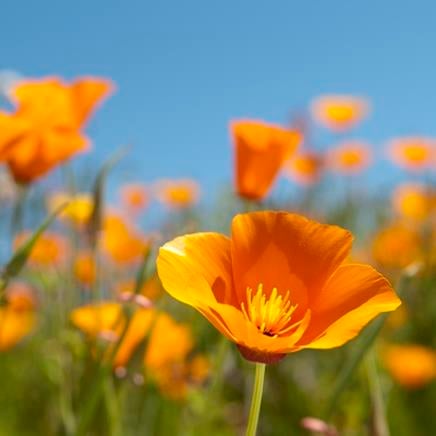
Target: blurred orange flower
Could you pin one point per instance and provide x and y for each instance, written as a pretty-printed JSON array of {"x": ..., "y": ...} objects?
[
  {"x": 177, "y": 194},
  {"x": 79, "y": 208},
  {"x": 413, "y": 201},
  {"x": 102, "y": 319},
  {"x": 260, "y": 152},
  {"x": 349, "y": 157},
  {"x": 278, "y": 285},
  {"x": 134, "y": 197},
  {"x": 166, "y": 357},
  {"x": 411, "y": 365},
  {"x": 85, "y": 269},
  {"x": 396, "y": 246},
  {"x": 50, "y": 249},
  {"x": 413, "y": 153},
  {"x": 305, "y": 168},
  {"x": 45, "y": 129},
  {"x": 121, "y": 242},
  {"x": 339, "y": 112},
  {"x": 17, "y": 317}
]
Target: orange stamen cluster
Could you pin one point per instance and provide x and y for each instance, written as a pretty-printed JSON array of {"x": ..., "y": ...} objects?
[{"x": 271, "y": 316}]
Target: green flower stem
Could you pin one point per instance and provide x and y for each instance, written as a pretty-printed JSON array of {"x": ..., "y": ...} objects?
[
  {"x": 256, "y": 399},
  {"x": 380, "y": 422}
]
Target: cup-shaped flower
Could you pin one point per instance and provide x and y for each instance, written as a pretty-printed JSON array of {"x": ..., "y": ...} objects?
[
  {"x": 279, "y": 284},
  {"x": 260, "y": 151},
  {"x": 45, "y": 128}
]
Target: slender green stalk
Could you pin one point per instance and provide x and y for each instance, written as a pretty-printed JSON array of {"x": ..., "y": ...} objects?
[
  {"x": 380, "y": 423},
  {"x": 256, "y": 400}
]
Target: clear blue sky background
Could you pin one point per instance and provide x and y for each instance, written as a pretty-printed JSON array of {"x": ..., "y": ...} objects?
[{"x": 185, "y": 68}]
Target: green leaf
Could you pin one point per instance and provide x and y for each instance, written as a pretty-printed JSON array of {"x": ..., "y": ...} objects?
[
  {"x": 95, "y": 222},
  {"x": 19, "y": 259}
]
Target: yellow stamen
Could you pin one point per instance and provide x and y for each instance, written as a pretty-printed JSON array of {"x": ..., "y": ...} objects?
[{"x": 270, "y": 316}]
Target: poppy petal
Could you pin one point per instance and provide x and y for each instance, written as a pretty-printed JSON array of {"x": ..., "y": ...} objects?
[
  {"x": 287, "y": 252},
  {"x": 353, "y": 296},
  {"x": 196, "y": 269}
]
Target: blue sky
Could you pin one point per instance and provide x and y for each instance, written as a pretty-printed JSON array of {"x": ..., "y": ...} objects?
[{"x": 184, "y": 69}]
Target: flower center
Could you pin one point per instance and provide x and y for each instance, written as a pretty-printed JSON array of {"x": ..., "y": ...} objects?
[{"x": 271, "y": 316}]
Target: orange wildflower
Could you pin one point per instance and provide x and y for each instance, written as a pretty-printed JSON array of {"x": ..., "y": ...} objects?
[
  {"x": 339, "y": 112},
  {"x": 305, "y": 168},
  {"x": 79, "y": 208},
  {"x": 177, "y": 194},
  {"x": 166, "y": 358},
  {"x": 107, "y": 320},
  {"x": 45, "y": 129},
  {"x": 260, "y": 152},
  {"x": 50, "y": 249},
  {"x": 413, "y": 201},
  {"x": 85, "y": 269},
  {"x": 122, "y": 243},
  {"x": 134, "y": 197},
  {"x": 349, "y": 157},
  {"x": 396, "y": 246},
  {"x": 17, "y": 317},
  {"x": 278, "y": 285},
  {"x": 412, "y": 366},
  {"x": 413, "y": 153}
]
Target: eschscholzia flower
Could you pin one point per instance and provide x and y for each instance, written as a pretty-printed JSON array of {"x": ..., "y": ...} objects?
[
  {"x": 411, "y": 365},
  {"x": 278, "y": 285},
  {"x": 413, "y": 153},
  {"x": 45, "y": 128},
  {"x": 260, "y": 152},
  {"x": 177, "y": 194},
  {"x": 50, "y": 249},
  {"x": 413, "y": 201},
  {"x": 85, "y": 269},
  {"x": 17, "y": 317},
  {"x": 79, "y": 209},
  {"x": 304, "y": 168},
  {"x": 339, "y": 112},
  {"x": 396, "y": 246},
  {"x": 121, "y": 242},
  {"x": 166, "y": 358},
  {"x": 349, "y": 157},
  {"x": 106, "y": 320},
  {"x": 134, "y": 197}
]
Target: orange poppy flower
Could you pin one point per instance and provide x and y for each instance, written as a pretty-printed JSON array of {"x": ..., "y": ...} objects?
[
  {"x": 305, "y": 168},
  {"x": 85, "y": 269},
  {"x": 134, "y": 197},
  {"x": 121, "y": 242},
  {"x": 339, "y": 112},
  {"x": 260, "y": 152},
  {"x": 79, "y": 208},
  {"x": 396, "y": 246},
  {"x": 278, "y": 285},
  {"x": 349, "y": 157},
  {"x": 50, "y": 249},
  {"x": 177, "y": 194},
  {"x": 45, "y": 129},
  {"x": 413, "y": 153},
  {"x": 166, "y": 358},
  {"x": 17, "y": 317},
  {"x": 413, "y": 201},
  {"x": 412, "y": 366}
]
